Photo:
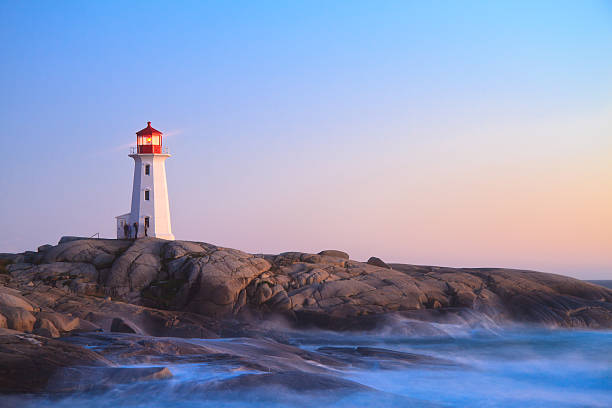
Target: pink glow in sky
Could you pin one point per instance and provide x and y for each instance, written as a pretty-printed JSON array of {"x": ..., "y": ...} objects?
[{"x": 441, "y": 133}]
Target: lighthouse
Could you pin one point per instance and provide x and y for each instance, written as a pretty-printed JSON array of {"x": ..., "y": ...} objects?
[{"x": 150, "y": 213}]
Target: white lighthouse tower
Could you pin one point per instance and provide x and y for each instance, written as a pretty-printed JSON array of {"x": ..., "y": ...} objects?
[{"x": 150, "y": 215}]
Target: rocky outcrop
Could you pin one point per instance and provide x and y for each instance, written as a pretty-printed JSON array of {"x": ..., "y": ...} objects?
[
  {"x": 335, "y": 253},
  {"x": 78, "y": 317},
  {"x": 378, "y": 262},
  {"x": 29, "y": 362},
  {"x": 169, "y": 283}
]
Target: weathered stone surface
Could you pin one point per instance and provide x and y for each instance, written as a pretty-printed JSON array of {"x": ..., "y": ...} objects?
[
  {"x": 45, "y": 247},
  {"x": 178, "y": 249},
  {"x": 295, "y": 381},
  {"x": 71, "y": 379},
  {"x": 63, "y": 322},
  {"x": 326, "y": 289},
  {"x": 214, "y": 280},
  {"x": 84, "y": 250},
  {"x": 378, "y": 262},
  {"x": 10, "y": 300},
  {"x": 135, "y": 269},
  {"x": 59, "y": 274},
  {"x": 262, "y": 354},
  {"x": 335, "y": 253},
  {"x": 29, "y": 361},
  {"x": 95, "y": 313},
  {"x": 370, "y": 357},
  {"x": 18, "y": 319},
  {"x": 44, "y": 327},
  {"x": 118, "y": 325}
]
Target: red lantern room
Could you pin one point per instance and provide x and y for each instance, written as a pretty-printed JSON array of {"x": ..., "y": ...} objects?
[{"x": 149, "y": 140}]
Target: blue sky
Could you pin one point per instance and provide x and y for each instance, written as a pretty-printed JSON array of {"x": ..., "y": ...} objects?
[{"x": 452, "y": 133}]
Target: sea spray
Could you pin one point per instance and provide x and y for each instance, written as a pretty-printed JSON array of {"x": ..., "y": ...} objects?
[{"x": 467, "y": 366}]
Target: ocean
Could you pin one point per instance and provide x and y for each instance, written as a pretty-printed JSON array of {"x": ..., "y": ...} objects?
[{"x": 462, "y": 367}]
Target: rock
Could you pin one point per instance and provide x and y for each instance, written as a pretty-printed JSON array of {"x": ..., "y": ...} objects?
[
  {"x": 18, "y": 319},
  {"x": 103, "y": 260},
  {"x": 59, "y": 274},
  {"x": 32, "y": 257},
  {"x": 177, "y": 249},
  {"x": 69, "y": 238},
  {"x": 335, "y": 253},
  {"x": 264, "y": 355},
  {"x": 214, "y": 282},
  {"x": 85, "y": 250},
  {"x": 294, "y": 381},
  {"x": 62, "y": 322},
  {"x": 327, "y": 289},
  {"x": 29, "y": 361},
  {"x": 378, "y": 262},
  {"x": 136, "y": 268},
  {"x": 44, "y": 327},
  {"x": 138, "y": 349},
  {"x": 9, "y": 258},
  {"x": 120, "y": 326},
  {"x": 374, "y": 357},
  {"x": 86, "y": 326},
  {"x": 3, "y": 322},
  {"x": 72, "y": 379},
  {"x": 45, "y": 247},
  {"x": 9, "y": 300}
]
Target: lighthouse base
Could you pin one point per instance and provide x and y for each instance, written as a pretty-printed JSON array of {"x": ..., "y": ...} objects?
[{"x": 169, "y": 237}]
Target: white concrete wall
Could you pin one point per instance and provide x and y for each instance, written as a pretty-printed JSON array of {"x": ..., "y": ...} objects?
[
  {"x": 121, "y": 220},
  {"x": 157, "y": 208}
]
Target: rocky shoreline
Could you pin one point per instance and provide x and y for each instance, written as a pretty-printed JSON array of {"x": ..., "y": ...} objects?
[{"x": 80, "y": 309}]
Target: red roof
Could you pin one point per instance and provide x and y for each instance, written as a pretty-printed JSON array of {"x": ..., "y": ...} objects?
[{"x": 148, "y": 130}]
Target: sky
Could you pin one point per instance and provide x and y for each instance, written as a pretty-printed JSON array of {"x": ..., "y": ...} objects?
[{"x": 452, "y": 133}]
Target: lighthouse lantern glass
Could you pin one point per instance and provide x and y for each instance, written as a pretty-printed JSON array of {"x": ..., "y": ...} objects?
[{"x": 149, "y": 141}]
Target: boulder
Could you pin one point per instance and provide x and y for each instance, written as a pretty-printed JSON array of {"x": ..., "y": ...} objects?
[
  {"x": 9, "y": 300},
  {"x": 69, "y": 238},
  {"x": 135, "y": 268},
  {"x": 44, "y": 327},
  {"x": 55, "y": 273},
  {"x": 378, "y": 262},
  {"x": 29, "y": 361},
  {"x": 335, "y": 253},
  {"x": 214, "y": 282},
  {"x": 177, "y": 249},
  {"x": 85, "y": 250},
  {"x": 120, "y": 326},
  {"x": 18, "y": 319},
  {"x": 61, "y": 321},
  {"x": 326, "y": 289},
  {"x": 44, "y": 248}
]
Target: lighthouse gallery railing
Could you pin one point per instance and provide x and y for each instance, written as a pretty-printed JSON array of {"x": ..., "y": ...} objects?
[{"x": 134, "y": 150}]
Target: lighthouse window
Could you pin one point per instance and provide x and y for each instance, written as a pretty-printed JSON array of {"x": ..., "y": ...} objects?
[
  {"x": 147, "y": 169},
  {"x": 155, "y": 140},
  {"x": 147, "y": 195}
]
